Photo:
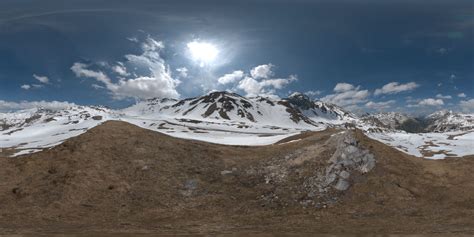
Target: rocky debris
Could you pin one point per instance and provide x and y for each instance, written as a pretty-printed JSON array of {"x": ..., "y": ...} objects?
[
  {"x": 347, "y": 159},
  {"x": 323, "y": 172},
  {"x": 189, "y": 187},
  {"x": 229, "y": 172}
]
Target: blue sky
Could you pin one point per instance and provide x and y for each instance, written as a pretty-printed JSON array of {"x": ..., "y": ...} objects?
[{"x": 410, "y": 56}]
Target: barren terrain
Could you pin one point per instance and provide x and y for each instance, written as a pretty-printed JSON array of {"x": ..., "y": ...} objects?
[{"x": 119, "y": 178}]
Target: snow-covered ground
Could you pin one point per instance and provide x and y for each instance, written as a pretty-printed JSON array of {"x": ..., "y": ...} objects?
[
  {"x": 34, "y": 130},
  {"x": 429, "y": 145},
  {"x": 223, "y": 132}
]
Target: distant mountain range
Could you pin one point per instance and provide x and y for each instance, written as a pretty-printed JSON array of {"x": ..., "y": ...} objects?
[
  {"x": 215, "y": 117},
  {"x": 298, "y": 110}
]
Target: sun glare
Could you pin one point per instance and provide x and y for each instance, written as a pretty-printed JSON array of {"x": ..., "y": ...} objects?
[{"x": 202, "y": 52}]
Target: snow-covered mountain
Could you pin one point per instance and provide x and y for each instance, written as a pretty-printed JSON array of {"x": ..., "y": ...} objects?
[
  {"x": 391, "y": 120},
  {"x": 448, "y": 121},
  {"x": 220, "y": 117},
  {"x": 395, "y": 121},
  {"x": 228, "y": 118},
  {"x": 319, "y": 111},
  {"x": 295, "y": 111},
  {"x": 40, "y": 128}
]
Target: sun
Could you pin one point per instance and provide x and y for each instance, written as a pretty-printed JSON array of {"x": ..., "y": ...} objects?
[{"x": 203, "y": 53}]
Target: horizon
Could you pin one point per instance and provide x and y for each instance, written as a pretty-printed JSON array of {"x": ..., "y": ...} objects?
[
  {"x": 60, "y": 105},
  {"x": 412, "y": 57}
]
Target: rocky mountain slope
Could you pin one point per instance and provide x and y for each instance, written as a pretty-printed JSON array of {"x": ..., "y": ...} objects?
[
  {"x": 297, "y": 110},
  {"x": 447, "y": 121}
]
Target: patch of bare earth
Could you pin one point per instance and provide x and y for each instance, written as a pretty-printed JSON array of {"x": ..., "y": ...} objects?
[{"x": 118, "y": 178}]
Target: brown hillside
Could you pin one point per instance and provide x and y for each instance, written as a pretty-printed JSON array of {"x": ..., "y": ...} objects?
[{"x": 121, "y": 178}]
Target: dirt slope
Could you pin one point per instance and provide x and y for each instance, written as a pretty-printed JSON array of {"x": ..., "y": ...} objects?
[{"x": 121, "y": 178}]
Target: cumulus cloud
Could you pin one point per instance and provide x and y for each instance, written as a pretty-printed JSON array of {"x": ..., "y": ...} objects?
[
  {"x": 380, "y": 105},
  {"x": 120, "y": 69},
  {"x": 157, "y": 83},
  {"x": 231, "y": 77},
  {"x": 343, "y": 87},
  {"x": 260, "y": 81},
  {"x": 396, "y": 87},
  {"x": 267, "y": 87},
  {"x": 42, "y": 79},
  {"x": 80, "y": 70},
  {"x": 347, "y": 95},
  {"x": 53, "y": 105},
  {"x": 467, "y": 105},
  {"x": 446, "y": 97},
  {"x": 431, "y": 102},
  {"x": 182, "y": 72},
  {"x": 462, "y": 95},
  {"x": 262, "y": 71}
]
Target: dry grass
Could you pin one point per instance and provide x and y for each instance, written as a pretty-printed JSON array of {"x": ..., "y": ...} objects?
[{"x": 121, "y": 178}]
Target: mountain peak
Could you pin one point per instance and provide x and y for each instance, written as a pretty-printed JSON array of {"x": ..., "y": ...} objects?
[{"x": 301, "y": 100}]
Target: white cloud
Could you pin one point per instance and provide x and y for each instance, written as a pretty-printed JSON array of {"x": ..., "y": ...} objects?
[
  {"x": 25, "y": 87},
  {"x": 80, "y": 70},
  {"x": 347, "y": 95},
  {"x": 120, "y": 69},
  {"x": 440, "y": 96},
  {"x": 158, "y": 83},
  {"x": 36, "y": 86},
  {"x": 262, "y": 71},
  {"x": 250, "y": 86},
  {"x": 31, "y": 86},
  {"x": 396, "y": 87},
  {"x": 146, "y": 87},
  {"x": 452, "y": 77},
  {"x": 97, "y": 87},
  {"x": 431, "y": 102},
  {"x": 266, "y": 87},
  {"x": 467, "y": 105},
  {"x": 380, "y": 105},
  {"x": 42, "y": 79},
  {"x": 462, "y": 95},
  {"x": 182, "y": 72},
  {"x": 342, "y": 87},
  {"x": 231, "y": 77},
  {"x": 260, "y": 82},
  {"x": 53, "y": 105},
  {"x": 312, "y": 93},
  {"x": 133, "y": 39}
]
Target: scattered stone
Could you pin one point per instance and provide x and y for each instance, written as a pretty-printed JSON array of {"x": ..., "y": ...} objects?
[
  {"x": 342, "y": 185},
  {"x": 344, "y": 174},
  {"x": 226, "y": 172}
]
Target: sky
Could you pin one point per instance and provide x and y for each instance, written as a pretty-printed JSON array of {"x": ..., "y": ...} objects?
[{"x": 411, "y": 56}]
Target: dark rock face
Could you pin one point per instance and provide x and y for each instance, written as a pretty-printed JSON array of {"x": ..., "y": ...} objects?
[
  {"x": 97, "y": 117},
  {"x": 301, "y": 101},
  {"x": 224, "y": 102}
]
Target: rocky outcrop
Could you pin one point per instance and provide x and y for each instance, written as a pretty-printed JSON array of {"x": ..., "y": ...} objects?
[
  {"x": 330, "y": 170},
  {"x": 348, "y": 159}
]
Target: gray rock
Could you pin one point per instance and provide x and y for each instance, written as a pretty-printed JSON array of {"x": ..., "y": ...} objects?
[
  {"x": 226, "y": 172},
  {"x": 344, "y": 174},
  {"x": 342, "y": 185}
]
